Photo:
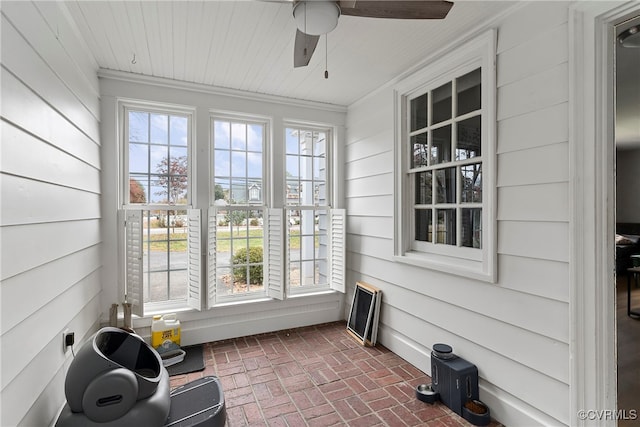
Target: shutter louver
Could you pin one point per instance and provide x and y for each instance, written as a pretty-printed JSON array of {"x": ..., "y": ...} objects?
[
  {"x": 337, "y": 236},
  {"x": 194, "y": 294},
  {"x": 133, "y": 250},
  {"x": 274, "y": 260},
  {"x": 211, "y": 258}
]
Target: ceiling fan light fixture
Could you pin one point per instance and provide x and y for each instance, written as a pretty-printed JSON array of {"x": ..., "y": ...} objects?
[{"x": 316, "y": 17}]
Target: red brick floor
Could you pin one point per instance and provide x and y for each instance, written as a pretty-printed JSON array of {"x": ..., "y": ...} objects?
[{"x": 317, "y": 376}]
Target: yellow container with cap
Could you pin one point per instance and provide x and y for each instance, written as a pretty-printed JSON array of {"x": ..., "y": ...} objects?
[{"x": 165, "y": 330}]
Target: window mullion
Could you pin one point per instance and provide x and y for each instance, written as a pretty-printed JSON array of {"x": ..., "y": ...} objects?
[
  {"x": 149, "y": 180},
  {"x": 248, "y": 246},
  {"x": 312, "y": 168},
  {"x": 168, "y": 253},
  {"x": 434, "y": 187},
  {"x": 315, "y": 233},
  {"x": 454, "y": 147},
  {"x": 147, "y": 272},
  {"x": 429, "y": 124},
  {"x": 458, "y": 206},
  {"x": 299, "y": 178}
]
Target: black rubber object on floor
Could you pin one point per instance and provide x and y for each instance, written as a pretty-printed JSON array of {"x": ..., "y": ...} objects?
[{"x": 193, "y": 361}]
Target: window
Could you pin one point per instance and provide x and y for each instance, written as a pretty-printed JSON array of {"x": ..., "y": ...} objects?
[
  {"x": 160, "y": 226},
  {"x": 311, "y": 241},
  {"x": 237, "y": 228},
  {"x": 254, "y": 251},
  {"x": 447, "y": 147},
  {"x": 445, "y": 163}
]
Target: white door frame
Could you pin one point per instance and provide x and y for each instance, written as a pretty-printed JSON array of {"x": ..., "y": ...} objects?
[{"x": 592, "y": 146}]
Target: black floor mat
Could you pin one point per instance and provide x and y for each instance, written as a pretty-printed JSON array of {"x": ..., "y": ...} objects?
[{"x": 193, "y": 361}]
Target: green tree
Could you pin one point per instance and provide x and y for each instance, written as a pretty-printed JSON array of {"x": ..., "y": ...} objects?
[
  {"x": 219, "y": 192},
  {"x": 236, "y": 218}
]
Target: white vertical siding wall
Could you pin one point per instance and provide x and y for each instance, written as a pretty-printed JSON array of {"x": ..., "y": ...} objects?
[
  {"x": 50, "y": 206},
  {"x": 515, "y": 331}
]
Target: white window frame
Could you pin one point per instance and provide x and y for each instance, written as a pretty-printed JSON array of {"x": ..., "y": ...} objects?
[
  {"x": 266, "y": 151},
  {"x": 336, "y": 218},
  {"x": 129, "y": 218},
  {"x": 481, "y": 264},
  {"x": 270, "y": 288},
  {"x": 123, "y": 107}
]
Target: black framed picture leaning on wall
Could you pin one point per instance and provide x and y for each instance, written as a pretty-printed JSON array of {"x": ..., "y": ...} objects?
[{"x": 365, "y": 311}]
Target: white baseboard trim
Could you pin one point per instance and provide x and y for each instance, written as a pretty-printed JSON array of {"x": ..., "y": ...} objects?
[
  {"x": 411, "y": 351},
  {"x": 230, "y": 322},
  {"x": 504, "y": 407},
  {"x": 194, "y": 334}
]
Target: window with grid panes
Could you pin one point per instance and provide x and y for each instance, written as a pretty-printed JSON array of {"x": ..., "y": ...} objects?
[
  {"x": 314, "y": 229},
  {"x": 159, "y": 225},
  {"x": 445, "y": 138},
  {"x": 446, "y": 155},
  {"x": 238, "y": 225},
  {"x": 246, "y": 256}
]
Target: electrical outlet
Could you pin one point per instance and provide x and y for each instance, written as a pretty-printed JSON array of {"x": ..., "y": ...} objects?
[{"x": 68, "y": 339}]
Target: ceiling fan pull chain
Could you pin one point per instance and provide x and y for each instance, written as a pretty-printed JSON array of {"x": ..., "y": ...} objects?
[
  {"x": 326, "y": 56},
  {"x": 306, "y": 36}
]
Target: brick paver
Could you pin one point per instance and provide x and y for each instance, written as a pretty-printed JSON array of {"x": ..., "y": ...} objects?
[{"x": 317, "y": 376}]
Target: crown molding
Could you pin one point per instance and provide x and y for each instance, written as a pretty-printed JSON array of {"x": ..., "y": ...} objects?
[{"x": 104, "y": 73}]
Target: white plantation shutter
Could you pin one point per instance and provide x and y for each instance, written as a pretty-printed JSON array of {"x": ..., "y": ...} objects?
[
  {"x": 194, "y": 295},
  {"x": 337, "y": 237},
  {"x": 287, "y": 249},
  {"x": 274, "y": 259},
  {"x": 211, "y": 258},
  {"x": 133, "y": 251}
]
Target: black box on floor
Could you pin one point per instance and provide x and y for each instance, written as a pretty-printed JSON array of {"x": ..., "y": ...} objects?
[
  {"x": 198, "y": 403},
  {"x": 456, "y": 380}
]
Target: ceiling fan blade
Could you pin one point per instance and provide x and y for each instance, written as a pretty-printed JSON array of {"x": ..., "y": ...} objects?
[
  {"x": 304, "y": 47},
  {"x": 400, "y": 9}
]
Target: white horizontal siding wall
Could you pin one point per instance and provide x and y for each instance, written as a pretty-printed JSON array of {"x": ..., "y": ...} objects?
[
  {"x": 50, "y": 206},
  {"x": 227, "y": 321},
  {"x": 517, "y": 330}
]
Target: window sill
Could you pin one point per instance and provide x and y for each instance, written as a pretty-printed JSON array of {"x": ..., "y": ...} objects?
[
  {"x": 156, "y": 308},
  {"x": 146, "y": 320},
  {"x": 237, "y": 307},
  {"x": 312, "y": 293},
  {"x": 165, "y": 308},
  {"x": 239, "y": 302},
  {"x": 477, "y": 270}
]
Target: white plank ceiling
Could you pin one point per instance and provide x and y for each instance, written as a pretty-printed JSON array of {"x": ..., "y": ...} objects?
[{"x": 248, "y": 45}]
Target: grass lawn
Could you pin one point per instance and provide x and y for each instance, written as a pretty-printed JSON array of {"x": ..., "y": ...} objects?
[{"x": 178, "y": 241}]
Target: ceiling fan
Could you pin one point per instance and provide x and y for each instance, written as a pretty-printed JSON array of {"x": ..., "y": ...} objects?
[{"x": 317, "y": 17}]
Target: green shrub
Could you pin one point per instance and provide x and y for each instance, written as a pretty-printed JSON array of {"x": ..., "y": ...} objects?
[{"x": 255, "y": 271}]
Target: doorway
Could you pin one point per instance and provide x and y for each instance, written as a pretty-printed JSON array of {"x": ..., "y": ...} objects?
[
  {"x": 592, "y": 147},
  {"x": 627, "y": 213}
]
